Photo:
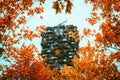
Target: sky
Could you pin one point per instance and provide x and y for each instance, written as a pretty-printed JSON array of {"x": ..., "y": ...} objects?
[{"x": 80, "y": 12}]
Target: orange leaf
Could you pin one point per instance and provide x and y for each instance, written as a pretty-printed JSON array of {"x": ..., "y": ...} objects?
[
  {"x": 41, "y": 17},
  {"x": 57, "y": 51}
]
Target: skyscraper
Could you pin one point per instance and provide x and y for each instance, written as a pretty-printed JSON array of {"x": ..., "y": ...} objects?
[{"x": 59, "y": 45}]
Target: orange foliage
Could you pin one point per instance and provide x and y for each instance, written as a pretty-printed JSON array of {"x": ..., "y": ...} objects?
[
  {"x": 26, "y": 66},
  {"x": 93, "y": 63},
  {"x": 110, "y": 13},
  {"x": 21, "y": 20},
  {"x": 59, "y": 6},
  {"x": 97, "y": 65},
  {"x": 92, "y": 21},
  {"x": 38, "y": 10},
  {"x": 57, "y": 52},
  {"x": 86, "y": 32},
  {"x": 11, "y": 20}
]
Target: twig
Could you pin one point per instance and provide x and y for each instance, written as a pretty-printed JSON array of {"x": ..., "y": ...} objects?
[{"x": 62, "y": 23}]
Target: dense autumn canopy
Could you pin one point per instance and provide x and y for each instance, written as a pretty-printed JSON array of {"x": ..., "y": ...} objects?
[{"x": 26, "y": 62}]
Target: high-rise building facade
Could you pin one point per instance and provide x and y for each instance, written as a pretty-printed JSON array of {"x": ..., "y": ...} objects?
[{"x": 59, "y": 45}]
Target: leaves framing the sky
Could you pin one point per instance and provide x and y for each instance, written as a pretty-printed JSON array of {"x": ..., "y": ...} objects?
[{"x": 25, "y": 60}]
